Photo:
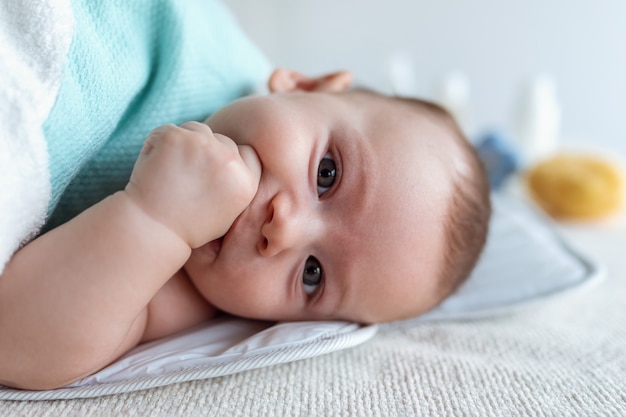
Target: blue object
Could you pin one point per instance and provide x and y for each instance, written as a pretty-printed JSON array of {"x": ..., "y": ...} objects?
[{"x": 499, "y": 157}]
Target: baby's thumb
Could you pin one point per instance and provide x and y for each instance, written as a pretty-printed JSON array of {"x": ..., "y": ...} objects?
[{"x": 252, "y": 162}]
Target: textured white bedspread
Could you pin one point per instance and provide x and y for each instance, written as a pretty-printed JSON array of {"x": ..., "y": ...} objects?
[{"x": 563, "y": 357}]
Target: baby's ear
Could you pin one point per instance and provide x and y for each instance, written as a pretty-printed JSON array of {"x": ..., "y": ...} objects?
[{"x": 286, "y": 81}]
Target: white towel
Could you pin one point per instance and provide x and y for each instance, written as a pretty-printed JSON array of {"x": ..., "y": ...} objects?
[{"x": 34, "y": 39}]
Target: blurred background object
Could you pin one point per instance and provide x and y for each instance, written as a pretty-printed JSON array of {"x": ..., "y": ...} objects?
[
  {"x": 553, "y": 69},
  {"x": 576, "y": 186}
]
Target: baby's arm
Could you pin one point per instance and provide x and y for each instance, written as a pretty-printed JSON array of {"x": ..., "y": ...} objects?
[{"x": 75, "y": 299}]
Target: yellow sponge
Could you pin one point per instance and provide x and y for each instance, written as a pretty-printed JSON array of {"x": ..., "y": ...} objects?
[{"x": 577, "y": 186}]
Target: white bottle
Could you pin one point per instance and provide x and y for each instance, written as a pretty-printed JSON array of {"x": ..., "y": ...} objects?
[
  {"x": 401, "y": 72},
  {"x": 454, "y": 95},
  {"x": 538, "y": 120}
]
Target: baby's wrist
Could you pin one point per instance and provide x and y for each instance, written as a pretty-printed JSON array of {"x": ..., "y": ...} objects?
[{"x": 145, "y": 219}]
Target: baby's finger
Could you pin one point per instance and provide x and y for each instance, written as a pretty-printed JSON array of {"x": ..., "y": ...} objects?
[
  {"x": 162, "y": 130},
  {"x": 196, "y": 127},
  {"x": 251, "y": 160},
  {"x": 154, "y": 136},
  {"x": 148, "y": 145},
  {"x": 225, "y": 140}
]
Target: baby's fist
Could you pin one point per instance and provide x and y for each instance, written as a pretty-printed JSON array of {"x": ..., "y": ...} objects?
[{"x": 193, "y": 181}]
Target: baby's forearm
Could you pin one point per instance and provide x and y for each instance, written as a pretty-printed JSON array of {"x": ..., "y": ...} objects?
[{"x": 74, "y": 299}]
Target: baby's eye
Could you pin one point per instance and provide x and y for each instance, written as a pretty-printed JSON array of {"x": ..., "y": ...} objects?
[
  {"x": 312, "y": 275},
  {"x": 326, "y": 172}
]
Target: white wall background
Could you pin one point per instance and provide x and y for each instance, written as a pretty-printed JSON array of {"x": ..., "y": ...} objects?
[{"x": 498, "y": 44}]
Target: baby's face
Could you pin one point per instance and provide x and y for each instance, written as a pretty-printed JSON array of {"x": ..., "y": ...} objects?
[{"x": 347, "y": 222}]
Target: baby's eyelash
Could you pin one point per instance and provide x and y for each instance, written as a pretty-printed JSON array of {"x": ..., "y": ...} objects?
[
  {"x": 326, "y": 174},
  {"x": 312, "y": 276}
]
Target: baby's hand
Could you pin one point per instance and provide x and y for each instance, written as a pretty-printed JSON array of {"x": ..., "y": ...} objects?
[{"x": 193, "y": 181}]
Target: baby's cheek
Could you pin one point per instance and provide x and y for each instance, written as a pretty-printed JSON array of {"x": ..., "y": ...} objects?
[{"x": 255, "y": 300}]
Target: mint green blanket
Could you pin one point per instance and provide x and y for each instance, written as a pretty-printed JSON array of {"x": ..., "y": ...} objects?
[{"x": 132, "y": 66}]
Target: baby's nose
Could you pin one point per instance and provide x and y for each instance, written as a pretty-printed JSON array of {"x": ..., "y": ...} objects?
[{"x": 284, "y": 227}]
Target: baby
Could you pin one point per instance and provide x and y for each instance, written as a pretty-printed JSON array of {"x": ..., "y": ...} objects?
[{"x": 315, "y": 202}]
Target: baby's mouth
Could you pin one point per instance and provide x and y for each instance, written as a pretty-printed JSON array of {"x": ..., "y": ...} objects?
[
  {"x": 216, "y": 245},
  {"x": 211, "y": 249}
]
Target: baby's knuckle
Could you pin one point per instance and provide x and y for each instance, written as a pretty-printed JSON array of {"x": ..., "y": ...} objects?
[
  {"x": 167, "y": 137},
  {"x": 162, "y": 129},
  {"x": 191, "y": 123}
]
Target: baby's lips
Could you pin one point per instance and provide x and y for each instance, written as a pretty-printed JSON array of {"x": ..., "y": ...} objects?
[{"x": 251, "y": 159}]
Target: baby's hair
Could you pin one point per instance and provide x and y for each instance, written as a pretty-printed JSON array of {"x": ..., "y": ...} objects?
[{"x": 469, "y": 209}]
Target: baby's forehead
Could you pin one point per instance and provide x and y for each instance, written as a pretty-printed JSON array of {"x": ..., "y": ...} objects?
[
  {"x": 398, "y": 126},
  {"x": 398, "y": 242},
  {"x": 415, "y": 114}
]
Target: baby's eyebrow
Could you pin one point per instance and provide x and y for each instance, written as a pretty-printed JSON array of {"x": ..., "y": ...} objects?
[{"x": 358, "y": 164}]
